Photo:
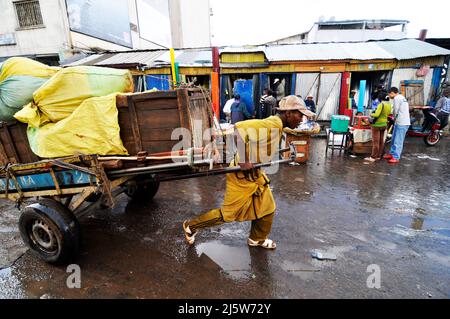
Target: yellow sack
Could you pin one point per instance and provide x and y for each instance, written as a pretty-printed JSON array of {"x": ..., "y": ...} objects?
[
  {"x": 18, "y": 66},
  {"x": 30, "y": 114},
  {"x": 93, "y": 128},
  {"x": 19, "y": 78},
  {"x": 63, "y": 93}
]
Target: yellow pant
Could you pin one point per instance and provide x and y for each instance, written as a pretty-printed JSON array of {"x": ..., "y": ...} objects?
[{"x": 259, "y": 231}]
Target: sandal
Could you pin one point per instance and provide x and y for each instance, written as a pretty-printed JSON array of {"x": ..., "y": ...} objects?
[
  {"x": 190, "y": 237},
  {"x": 267, "y": 244}
]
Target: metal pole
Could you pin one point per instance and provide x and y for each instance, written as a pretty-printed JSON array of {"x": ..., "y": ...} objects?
[
  {"x": 154, "y": 168},
  {"x": 221, "y": 171}
]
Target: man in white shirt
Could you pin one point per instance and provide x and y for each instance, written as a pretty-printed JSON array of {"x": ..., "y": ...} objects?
[
  {"x": 227, "y": 108},
  {"x": 402, "y": 123}
]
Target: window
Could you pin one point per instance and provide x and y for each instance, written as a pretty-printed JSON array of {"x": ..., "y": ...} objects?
[{"x": 28, "y": 14}]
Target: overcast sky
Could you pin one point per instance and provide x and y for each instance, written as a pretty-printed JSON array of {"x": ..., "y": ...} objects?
[{"x": 238, "y": 22}]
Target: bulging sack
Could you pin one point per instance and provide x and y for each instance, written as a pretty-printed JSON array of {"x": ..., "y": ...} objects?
[
  {"x": 19, "y": 79},
  {"x": 58, "y": 98},
  {"x": 91, "y": 129}
]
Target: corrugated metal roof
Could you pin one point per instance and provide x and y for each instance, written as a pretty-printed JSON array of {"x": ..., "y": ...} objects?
[
  {"x": 141, "y": 58},
  {"x": 411, "y": 49},
  {"x": 326, "y": 51},
  {"x": 374, "y": 50},
  {"x": 195, "y": 58},
  {"x": 89, "y": 60}
]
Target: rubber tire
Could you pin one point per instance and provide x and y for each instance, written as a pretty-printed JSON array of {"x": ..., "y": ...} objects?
[
  {"x": 63, "y": 224},
  {"x": 428, "y": 143},
  {"x": 143, "y": 191}
]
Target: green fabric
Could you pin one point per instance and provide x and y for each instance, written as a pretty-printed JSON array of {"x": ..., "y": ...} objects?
[
  {"x": 15, "y": 92},
  {"x": 381, "y": 114}
]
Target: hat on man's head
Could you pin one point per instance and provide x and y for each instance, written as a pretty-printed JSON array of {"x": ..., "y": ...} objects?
[
  {"x": 276, "y": 81},
  {"x": 294, "y": 103}
]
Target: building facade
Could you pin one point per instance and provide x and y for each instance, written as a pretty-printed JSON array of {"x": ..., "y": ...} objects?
[
  {"x": 349, "y": 31},
  {"x": 52, "y": 31}
]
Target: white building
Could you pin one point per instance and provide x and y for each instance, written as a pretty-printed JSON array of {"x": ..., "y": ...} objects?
[
  {"x": 54, "y": 30},
  {"x": 349, "y": 31}
]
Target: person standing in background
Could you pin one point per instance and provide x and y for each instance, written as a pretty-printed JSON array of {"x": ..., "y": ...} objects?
[
  {"x": 353, "y": 101},
  {"x": 443, "y": 108},
  {"x": 380, "y": 116},
  {"x": 278, "y": 89},
  {"x": 310, "y": 104},
  {"x": 402, "y": 123},
  {"x": 267, "y": 105},
  {"x": 239, "y": 110},
  {"x": 227, "y": 109}
]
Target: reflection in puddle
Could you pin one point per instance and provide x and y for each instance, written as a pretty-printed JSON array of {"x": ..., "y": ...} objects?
[
  {"x": 417, "y": 223},
  {"x": 234, "y": 261},
  {"x": 300, "y": 270}
]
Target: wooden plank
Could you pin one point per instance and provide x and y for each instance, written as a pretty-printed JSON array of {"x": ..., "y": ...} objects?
[
  {"x": 159, "y": 146},
  {"x": 154, "y": 95},
  {"x": 122, "y": 101},
  {"x": 183, "y": 108},
  {"x": 80, "y": 200},
  {"x": 3, "y": 155},
  {"x": 11, "y": 142},
  {"x": 134, "y": 124},
  {"x": 31, "y": 157},
  {"x": 160, "y": 119},
  {"x": 155, "y": 134},
  {"x": 55, "y": 181},
  {"x": 156, "y": 104}
]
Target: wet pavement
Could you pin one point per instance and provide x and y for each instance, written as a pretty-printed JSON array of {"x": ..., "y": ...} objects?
[{"x": 397, "y": 217}]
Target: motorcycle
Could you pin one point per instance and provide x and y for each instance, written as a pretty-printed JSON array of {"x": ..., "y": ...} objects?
[{"x": 430, "y": 129}]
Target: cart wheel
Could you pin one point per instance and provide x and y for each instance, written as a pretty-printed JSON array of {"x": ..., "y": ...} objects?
[
  {"x": 142, "y": 191},
  {"x": 50, "y": 230},
  {"x": 432, "y": 139}
]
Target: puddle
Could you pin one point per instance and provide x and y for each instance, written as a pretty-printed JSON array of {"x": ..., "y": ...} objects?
[
  {"x": 234, "y": 261},
  {"x": 300, "y": 270},
  {"x": 444, "y": 232},
  {"x": 441, "y": 259},
  {"x": 360, "y": 236},
  {"x": 230, "y": 231},
  {"x": 420, "y": 222}
]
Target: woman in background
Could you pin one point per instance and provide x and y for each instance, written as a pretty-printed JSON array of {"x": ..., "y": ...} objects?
[{"x": 379, "y": 124}]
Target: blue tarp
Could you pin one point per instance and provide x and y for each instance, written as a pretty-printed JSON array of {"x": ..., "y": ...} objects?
[
  {"x": 245, "y": 89},
  {"x": 158, "y": 81}
]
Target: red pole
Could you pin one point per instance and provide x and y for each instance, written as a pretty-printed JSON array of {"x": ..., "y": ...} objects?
[
  {"x": 215, "y": 85},
  {"x": 215, "y": 93},
  {"x": 345, "y": 93}
]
